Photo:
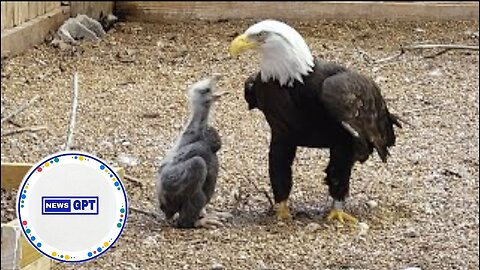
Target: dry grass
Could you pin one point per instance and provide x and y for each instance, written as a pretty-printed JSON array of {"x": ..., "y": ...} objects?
[{"x": 427, "y": 195}]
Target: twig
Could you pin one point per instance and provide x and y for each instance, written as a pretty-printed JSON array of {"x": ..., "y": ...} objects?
[
  {"x": 428, "y": 107},
  {"x": 257, "y": 188},
  {"x": 25, "y": 129},
  {"x": 133, "y": 179},
  {"x": 73, "y": 113},
  {"x": 441, "y": 46},
  {"x": 21, "y": 109},
  {"x": 437, "y": 54},
  {"x": 155, "y": 215},
  {"x": 390, "y": 58}
]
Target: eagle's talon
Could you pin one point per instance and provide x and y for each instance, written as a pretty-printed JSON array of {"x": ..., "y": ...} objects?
[
  {"x": 283, "y": 212},
  {"x": 341, "y": 216}
]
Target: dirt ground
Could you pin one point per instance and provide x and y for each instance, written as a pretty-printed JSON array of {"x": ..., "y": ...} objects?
[{"x": 422, "y": 207}]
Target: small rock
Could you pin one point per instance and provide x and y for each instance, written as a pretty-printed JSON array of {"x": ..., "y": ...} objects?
[
  {"x": 372, "y": 204},
  {"x": 312, "y": 227},
  {"x": 435, "y": 73},
  {"x": 217, "y": 266},
  {"x": 127, "y": 160},
  {"x": 419, "y": 30},
  {"x": 413, "y": 268},
  {"x": 363, "y": 228},
  {"x": 126, "y": 143},
  {"x": 411, "y": 233}
]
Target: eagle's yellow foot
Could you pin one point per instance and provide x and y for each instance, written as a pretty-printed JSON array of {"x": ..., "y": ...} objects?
[
  {"x": 282, "y": 211},
  {"x": 341, "y": 216}
]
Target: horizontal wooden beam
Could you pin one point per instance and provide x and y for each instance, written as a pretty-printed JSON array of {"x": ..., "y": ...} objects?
[
  {"x": 29, "y": 258},
  {"x": 12, "y": 174},
  {"x": 184, "y": 11},
  {"x": 17, "y": 39}
]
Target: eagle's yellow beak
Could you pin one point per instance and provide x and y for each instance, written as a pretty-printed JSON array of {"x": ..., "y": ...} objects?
[{"x": 241, "y": 44}]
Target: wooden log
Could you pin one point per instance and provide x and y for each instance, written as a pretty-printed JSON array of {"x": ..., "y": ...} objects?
[
  {"x": 12, "y": 174},
  {"x": 186, "y": 11}
]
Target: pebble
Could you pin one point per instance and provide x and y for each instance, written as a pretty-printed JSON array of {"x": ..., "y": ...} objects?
[
  {"x": 363, "y": 228},
  {"x": 217, "y": 266},
  {"x": 372, "y": 204},
  {"x": 312, "y": 227}
]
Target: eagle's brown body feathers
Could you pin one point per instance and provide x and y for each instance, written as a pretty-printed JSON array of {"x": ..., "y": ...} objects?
[{"x": 334, "y": 108}]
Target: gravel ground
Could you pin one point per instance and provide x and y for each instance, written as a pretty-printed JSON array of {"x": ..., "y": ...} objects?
[{"x": 421, "y": 208}]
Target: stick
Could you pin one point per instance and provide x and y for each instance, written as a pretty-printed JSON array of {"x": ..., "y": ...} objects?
[
  {"x": 257, "y": 188},
  {"x": 441, "y": 46},
  {"x": 390, "y": 58},
  {"x": 147, "y": 213},
  {"x": 21, "y": 109},
  {"x": 25, "y": 129},
  {"x": 429, "y": 107},
  {"x": 133, "y": 179},
  {"x": 73, "y": 113}
]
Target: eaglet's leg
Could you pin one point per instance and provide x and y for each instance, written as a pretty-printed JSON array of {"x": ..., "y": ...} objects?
[
  {"x": 281, "y": 157},
  {"x": 338, "y": 181}
]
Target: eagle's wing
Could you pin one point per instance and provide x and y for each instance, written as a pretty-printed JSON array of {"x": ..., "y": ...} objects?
[{"x": 356, "y": 102}]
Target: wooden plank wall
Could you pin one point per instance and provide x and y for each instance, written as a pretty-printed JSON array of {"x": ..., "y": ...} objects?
[
  {"x": 15, "y": 13},
  {"x": 184, "y": 11},
  {"x": 93, "y": 9}
]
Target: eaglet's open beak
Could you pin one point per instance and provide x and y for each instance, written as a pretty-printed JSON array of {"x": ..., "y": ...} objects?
[{"x": 241, "y": 44}]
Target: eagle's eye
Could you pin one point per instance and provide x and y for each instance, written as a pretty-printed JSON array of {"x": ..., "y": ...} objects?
[
  {"x": 262, "y": 35},
  {"x": 204, "y": 91}
]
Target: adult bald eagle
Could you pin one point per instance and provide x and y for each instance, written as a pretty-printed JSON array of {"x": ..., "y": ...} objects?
[{"x": 310, "y": 103}]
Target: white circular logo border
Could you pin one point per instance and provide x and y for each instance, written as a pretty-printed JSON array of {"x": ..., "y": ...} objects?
[{"x": 29, "y": 232}]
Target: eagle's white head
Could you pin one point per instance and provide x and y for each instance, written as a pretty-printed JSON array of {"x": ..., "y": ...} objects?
[{"x": 285, "y": 55}]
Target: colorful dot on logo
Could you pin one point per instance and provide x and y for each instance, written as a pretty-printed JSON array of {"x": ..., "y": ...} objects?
[
  {"x": 55, "y": 159},
  {"x": 23, "y": 196},
  {"x": 24, "y": 222},
  {"x": 80, "y": 157},
  {"x": 61, "y": 256},
  {"x": 47, "y": 164},
  {"x": 111, "y": 175},
  {"x": 116, "y": 184},
  {"x": 89, "y": 254},
  {"x": 24, "y": 191},
  {"x": 121, "y": 215},
  {"x": 122, "y": 210},
  {"x": 39, "y": 244},
  {"x": 67, "y": 257},
  {"x": 118, "y": 188},
  {"x": 33, "y": 238},
  {"x": 54, "y": 254},
  {"x": 26, "y": 187},
  {"x": 21, "y": 206},
  {"x": 94, "y": 252},
  {"x": 23, "y": 201},
  {"x": 105, "y": 244},
  {"x": 99, "y": 249},
  {"x": 28, "y": 230},
  {"x": 39, "y": 169},
  {"x": 119, "y": 225},
  {"x": 102, "y": 167},
  {"x": 76, "y": 157},
  {"x": 51, "y": 161}
]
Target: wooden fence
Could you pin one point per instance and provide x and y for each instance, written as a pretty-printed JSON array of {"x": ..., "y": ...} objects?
[
  {"x": 156, "y": 11},
  {"x": 16, "y": 13},
  {"x": 25, "y": 24}
]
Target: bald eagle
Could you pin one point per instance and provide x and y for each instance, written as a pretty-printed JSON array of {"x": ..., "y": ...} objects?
[{"x": 311, "y": 103}]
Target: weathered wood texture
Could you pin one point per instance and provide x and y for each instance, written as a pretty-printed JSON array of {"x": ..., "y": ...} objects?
[
  {"x": 17, "y": 39},
  {"x": 15, "y": 13},
  {"x": 93, "y": 9},
  {"x": 184, "y": 11}
]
